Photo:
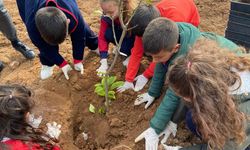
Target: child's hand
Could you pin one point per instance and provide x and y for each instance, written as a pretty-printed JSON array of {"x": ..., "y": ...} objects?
[
  {"x": 46, "y": 72},
  {"x": 54, "y": 130},
  {"x": 34, "y": 122},
  {"x": 141, "y": 81},
  {"x": 103, "y": 68},
  {"x": 127, "y": 85},
  {"x": 79, "y": 67},
  {"x": 166, "y": 147},
  {"x": 65, "y": 70},
  {"x": 144, "y": 98}
]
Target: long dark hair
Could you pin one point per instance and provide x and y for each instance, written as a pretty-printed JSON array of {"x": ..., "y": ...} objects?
[
  {"x": 203, "y": 77},
  {"x": 15, "y": 104}
]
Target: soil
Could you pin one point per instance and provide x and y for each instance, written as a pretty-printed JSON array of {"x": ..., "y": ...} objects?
[{"x": 67, "y": 102}]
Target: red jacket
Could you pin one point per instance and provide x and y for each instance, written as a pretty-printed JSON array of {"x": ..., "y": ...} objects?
[
  {"x": 176, "y": 10},
  {"x": 102, "y": 42},
  {"x": 19, "y": 145}
]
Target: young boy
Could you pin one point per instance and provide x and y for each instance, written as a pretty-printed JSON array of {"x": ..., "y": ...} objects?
[
  {"x": 165, "y": 40},
  {"x": 176, "y": 10},
  {"x": 8, "y": 29},
  {"x": 48, "y": 23}
]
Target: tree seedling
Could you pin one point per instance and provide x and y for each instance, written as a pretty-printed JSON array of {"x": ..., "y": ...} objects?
[{"x": 112, "y": 85}]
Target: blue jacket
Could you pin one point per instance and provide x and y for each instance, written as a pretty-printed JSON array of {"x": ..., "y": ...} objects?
[{"x": 77, "y": 28}]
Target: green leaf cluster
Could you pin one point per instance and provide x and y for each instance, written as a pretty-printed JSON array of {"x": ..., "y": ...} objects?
[{"x": 112, "y": 85}]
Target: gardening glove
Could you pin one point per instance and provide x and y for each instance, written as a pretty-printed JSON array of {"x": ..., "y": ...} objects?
[
  {"x": 127, "y": 85},
  {"x": 151, "y": 139},
  {"x": 166, "y": 147},
  {"x": 34, "y": 122},
  {"x": 126, "y": 61},
  {"x": 103, "y": 68},
  {"x": 65, "y": 71},
  {"x": 142, "y": 98},
  {"x": 141, "y": 81},
  {"x": 46, "y": 72},
  {"x": 170, "y": 129},
  {"x": 79, "y": 67},
  {"x": 54, "y": 130}
]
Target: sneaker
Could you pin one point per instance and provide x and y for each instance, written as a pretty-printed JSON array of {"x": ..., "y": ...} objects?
[
  {"x": 1, "y": 66},
  {"x": 23, "y": 49}
]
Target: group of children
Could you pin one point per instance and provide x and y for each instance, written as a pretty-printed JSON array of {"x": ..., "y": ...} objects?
[{"x": 207, "y": 75}]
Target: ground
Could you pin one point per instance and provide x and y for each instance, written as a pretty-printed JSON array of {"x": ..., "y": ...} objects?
[{"x": 66, "y": 102}]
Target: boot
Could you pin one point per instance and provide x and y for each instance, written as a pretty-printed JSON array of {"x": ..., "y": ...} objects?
[{"x": 23, "y": 49}]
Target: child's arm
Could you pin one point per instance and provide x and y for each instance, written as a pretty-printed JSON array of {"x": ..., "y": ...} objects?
[
  {"x": 135, "y": 59},
  {"x": 158, "y": 80},
  {"x": 165, "y": 111},
  {"x": 149, "y": 72},
  {"x": 102, "y": 43}
]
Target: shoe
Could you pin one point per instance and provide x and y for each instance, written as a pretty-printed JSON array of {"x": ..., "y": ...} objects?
[
  {"x": 23, "y": 49},
  {"x": 1, "y": 66}
]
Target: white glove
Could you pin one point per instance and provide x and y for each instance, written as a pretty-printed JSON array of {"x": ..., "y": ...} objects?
[
  {"x": 151, "y": 139},
  {"x": 65, "y": 71},
  {"x": 46, "y": 72},
  {"x": 142, "y": 98},
  {"x": 79, "y": 67},
  {"x": 141, "y": 81},
  {"x": 166, "y": 147},
  {"x": 34, "y": 122},
  {"x": 103, "y": 68},
  {"x": 54, "y": 130},
  {"x": 170, "y": 129},
  {"x": 127, "y": 85},
  {"x": 126, "y": 61}
]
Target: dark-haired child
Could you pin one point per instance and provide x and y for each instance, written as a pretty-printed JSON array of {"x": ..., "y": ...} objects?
[
  {"x": 48, "y": 23},
  {"x": 16, "y": 132},
  {"x": 173, "y": 40},
  {"x": 176, "y": 10}
]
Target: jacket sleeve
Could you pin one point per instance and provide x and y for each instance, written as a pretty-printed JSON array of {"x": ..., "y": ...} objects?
[
  {"x": 78, "y": 40},
  {"x": 165, "y": 111},
  {"x": 157, "y": 80},
  {"x": 102, "y": 43},
  {"x": 135, "y": 59},
  {"x": 149, "y": 72}
]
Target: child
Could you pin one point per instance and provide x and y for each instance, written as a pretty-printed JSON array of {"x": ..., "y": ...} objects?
[
  {"x": 16, "y": 133},
  {"x": 173, "y": 40},
  {"x": 176, "y": 10},
  {"x": 110, "y": 10},
  {"x": 48, "y": 23},
  {"x": 8, "y": 29},
  {"x": 214, "y": 84}
]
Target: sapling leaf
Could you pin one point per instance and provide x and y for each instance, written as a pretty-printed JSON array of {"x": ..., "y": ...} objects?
[
  {"x": 116, "y": 85},
  {"x": 111, "y": 94},
  {"x": 101, "y": 110},
  {"x": 111, "y": 80},
  {"x": 91, "y": 108},
  {"x": 98, "y": 89},
  {"x": 98, "y": 84},
  {"x": 101, "y": 93}
]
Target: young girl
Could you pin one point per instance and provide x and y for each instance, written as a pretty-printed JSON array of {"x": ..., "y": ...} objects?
[
  {"x": 16, "y": 133},
  {"x": 214, "y": 84},
  {"x": 111, "y": 10}
]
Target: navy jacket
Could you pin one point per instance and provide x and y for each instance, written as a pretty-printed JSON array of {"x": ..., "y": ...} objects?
[{"x": 77, "y": 29}]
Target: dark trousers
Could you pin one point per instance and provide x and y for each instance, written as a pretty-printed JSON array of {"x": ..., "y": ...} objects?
[{"x": 127, "y": 43}]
